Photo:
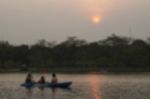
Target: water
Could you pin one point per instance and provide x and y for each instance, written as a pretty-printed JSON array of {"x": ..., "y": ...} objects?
[{"x": 85, "y": 86}]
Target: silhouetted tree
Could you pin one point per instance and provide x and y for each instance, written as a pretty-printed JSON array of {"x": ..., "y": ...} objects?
[{"x": 113, "y": 54}]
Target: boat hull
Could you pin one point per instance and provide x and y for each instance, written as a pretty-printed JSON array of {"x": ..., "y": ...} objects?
[{"x": 48, "y": 85}]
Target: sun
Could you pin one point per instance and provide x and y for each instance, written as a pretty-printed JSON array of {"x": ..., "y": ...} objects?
[{"x": 96, "y": 19}]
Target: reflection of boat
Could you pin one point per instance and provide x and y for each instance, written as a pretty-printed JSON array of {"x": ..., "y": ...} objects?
[{"x": 48, "y": 85}]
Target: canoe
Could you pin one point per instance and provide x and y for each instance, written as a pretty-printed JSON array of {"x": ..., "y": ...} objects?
[
  {"x": 48, "y": 85},
  {"x": 28, "y": 85},
  {"x": 60, "y": 85}
]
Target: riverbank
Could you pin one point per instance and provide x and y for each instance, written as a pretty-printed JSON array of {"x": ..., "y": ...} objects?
[{"x": 75, "y": 71}]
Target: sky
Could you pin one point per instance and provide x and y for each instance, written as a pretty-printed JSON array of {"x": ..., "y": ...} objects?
[{"x": 27, "y": 21}]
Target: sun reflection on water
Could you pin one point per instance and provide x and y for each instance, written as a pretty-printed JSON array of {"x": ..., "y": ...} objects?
[{"x": 95, "y": 84}]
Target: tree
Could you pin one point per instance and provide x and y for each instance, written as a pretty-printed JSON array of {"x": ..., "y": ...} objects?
[
  {"x": 73, "y": 41},
  {"x": 115, "y": 40}
]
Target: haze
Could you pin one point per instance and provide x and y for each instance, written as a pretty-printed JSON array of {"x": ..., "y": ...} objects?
[{"x": 27, "y": 21}]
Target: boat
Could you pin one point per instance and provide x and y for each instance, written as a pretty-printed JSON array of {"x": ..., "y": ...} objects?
[
  {"x": 47, "y": 84},
  {"x": 28, "y": 85},
  {"x": 60, "y": 85}
]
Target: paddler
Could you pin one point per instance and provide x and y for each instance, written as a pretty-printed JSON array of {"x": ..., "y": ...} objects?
[
  {"x": 29, "y": 78},
  {"x": 42, "y": 80},
  {"x": 54, "y": 78}
]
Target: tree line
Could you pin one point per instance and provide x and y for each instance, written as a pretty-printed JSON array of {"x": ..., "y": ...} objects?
[{"x": 113, "y": 54}]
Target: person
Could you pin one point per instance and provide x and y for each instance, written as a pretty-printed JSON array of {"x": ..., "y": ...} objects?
[
  {"x": 29, "y": 78},
  {"x": 54, "y": 78},
  {"x": 42, "y": 80}
]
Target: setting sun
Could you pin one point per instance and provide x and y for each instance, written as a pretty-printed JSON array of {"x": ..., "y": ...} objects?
[{"x": 96, "y": 19}]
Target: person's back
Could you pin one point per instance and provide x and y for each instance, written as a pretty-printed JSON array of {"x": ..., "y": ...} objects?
[
  {"x": 54, "y": 78},
  {"x": 29, "y": 78},
  {"x": 42, "y": 80}
]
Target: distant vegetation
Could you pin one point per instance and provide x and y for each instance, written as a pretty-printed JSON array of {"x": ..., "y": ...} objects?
[{"x": 113, "y": 54}]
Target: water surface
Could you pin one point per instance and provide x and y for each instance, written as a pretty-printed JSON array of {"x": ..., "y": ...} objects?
[{"x": 85, "y": 86}]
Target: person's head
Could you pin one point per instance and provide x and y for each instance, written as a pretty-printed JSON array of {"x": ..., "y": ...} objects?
[
  {"x": 42, "y": 77},
  {"x": 29, "y": 75},
  {"x": 53, "y": 75}
]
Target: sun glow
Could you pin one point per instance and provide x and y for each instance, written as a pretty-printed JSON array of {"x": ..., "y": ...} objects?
[
  {"x": 96, "y": 19},
  {"x": 96, "y": 9}
]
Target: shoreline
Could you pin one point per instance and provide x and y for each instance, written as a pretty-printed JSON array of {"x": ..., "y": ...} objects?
[{"x": 77, "y": 72}]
